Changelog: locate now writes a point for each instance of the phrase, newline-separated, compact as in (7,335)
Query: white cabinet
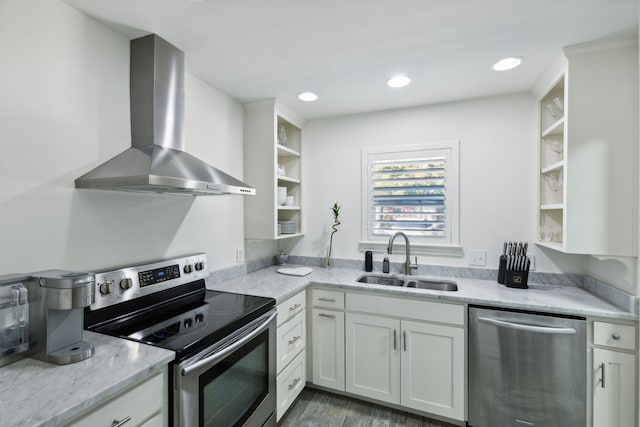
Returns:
(587,137)
(396,359)
(291,355)
(143,405)
(432,368)
(614,375)
(272,160)
(327,354)
(373,357)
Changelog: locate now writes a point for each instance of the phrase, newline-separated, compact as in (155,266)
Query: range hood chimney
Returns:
(156,161)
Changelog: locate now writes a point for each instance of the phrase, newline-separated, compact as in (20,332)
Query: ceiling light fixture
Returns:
(508,63)
(307,96)
(398,81)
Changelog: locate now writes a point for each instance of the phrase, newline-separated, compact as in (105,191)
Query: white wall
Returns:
(497,164)
(64,109)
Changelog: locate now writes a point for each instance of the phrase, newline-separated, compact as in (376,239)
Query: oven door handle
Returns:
(215,357)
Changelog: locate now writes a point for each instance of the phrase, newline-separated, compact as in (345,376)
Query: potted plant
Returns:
(335,209)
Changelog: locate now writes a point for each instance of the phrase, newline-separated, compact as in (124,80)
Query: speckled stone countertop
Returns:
(38,394)
(544,298)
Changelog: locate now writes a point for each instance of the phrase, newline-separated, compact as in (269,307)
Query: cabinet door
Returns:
(373,357)
(328,348)
(614,376)
(433,368)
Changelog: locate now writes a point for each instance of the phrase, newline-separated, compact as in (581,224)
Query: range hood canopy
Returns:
(156,161)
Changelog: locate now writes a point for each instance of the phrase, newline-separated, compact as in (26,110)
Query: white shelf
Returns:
(553,167)
(556,246)
(555,129)
(288,179)
(286,236)
(288,208)
(552,206)
(286,151)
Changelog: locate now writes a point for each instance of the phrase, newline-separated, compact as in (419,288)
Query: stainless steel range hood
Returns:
(156,161)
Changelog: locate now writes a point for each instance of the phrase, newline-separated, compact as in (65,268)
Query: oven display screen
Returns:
(151,277)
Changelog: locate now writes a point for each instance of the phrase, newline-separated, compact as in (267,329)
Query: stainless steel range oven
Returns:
(225,366)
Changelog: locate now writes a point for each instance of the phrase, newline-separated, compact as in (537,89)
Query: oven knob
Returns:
(188,322)
(199,318)
(106,288)
(188,268)
(199,265)
(126,283)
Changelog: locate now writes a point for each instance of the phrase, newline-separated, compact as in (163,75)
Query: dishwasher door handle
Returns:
(528,328)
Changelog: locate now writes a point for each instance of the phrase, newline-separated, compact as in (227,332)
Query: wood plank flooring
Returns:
(315,408)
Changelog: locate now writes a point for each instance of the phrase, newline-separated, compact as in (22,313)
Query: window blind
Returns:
(409,196)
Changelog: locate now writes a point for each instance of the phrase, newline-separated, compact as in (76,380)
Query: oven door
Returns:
(231,383)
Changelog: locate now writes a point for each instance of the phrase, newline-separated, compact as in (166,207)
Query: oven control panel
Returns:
(126,283)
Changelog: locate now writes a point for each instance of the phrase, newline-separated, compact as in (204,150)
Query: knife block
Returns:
(516,279)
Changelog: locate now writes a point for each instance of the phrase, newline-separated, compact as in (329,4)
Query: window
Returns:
(413,189)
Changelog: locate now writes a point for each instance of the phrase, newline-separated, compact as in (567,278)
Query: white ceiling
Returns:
(345,50)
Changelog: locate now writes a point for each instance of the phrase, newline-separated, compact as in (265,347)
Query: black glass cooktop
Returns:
(187,324)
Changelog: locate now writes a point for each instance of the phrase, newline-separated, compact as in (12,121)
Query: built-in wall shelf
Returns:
(272,161)
(552,206)
(288,179)
(556,128)
(286,151)
(554,167)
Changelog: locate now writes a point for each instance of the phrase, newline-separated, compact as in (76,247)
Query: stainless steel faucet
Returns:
(407,264)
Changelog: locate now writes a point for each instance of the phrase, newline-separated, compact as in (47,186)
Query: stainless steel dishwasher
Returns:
(526,370)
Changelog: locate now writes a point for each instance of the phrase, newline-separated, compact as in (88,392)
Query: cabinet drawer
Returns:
(290,383)
(411,309)
(328,299)
(613,335)
(143,403)
(291,339)
(289,308)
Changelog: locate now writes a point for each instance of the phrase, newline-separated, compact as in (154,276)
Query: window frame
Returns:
(449,246)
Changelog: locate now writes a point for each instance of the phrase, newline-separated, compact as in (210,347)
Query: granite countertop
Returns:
(38,394)
(562,299)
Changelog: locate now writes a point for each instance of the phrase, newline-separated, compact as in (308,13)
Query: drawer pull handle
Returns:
(294,339)
(330,316)
(294,383)
(601,380)
(294,307)
(120,423)
(395,339)
(615,336)
(404,336)
(327,299)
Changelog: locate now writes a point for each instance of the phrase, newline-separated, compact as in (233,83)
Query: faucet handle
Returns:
(414,266)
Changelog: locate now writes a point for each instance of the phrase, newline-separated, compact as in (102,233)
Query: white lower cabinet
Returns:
(144,405)
(290,383)
(373,357)
(614,397)
(432,368)
(328,348)
(291,342)
(415,364)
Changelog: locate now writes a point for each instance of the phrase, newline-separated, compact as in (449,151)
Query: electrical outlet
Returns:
(477,257)
(239,255)
(532,267)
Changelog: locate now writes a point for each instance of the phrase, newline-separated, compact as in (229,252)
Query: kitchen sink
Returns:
(381,280)
(435,285)
(409,282)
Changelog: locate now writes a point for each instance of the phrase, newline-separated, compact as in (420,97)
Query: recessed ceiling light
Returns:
(307,96)
(508,63)
(398,81)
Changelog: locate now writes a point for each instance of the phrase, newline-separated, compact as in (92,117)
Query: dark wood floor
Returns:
(315,408)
